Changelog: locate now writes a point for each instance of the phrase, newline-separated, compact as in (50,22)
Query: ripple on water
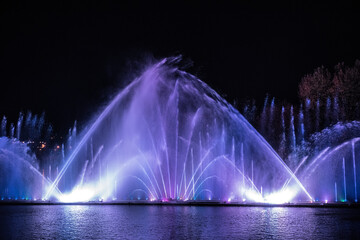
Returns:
(176,222)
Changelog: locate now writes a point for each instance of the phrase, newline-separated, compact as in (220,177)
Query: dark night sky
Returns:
(68,59)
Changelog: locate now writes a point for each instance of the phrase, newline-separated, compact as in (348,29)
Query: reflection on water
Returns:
(176,222)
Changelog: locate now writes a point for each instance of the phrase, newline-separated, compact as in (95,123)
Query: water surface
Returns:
(176,222)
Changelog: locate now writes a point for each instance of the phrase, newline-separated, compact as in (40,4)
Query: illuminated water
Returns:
(170,222)
(168,135)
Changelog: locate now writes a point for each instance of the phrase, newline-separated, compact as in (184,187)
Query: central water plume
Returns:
(170,136)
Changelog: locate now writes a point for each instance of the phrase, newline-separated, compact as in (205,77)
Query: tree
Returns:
(343,85)
(316,86)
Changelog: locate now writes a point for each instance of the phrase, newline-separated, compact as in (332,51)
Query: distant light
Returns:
(326,201)
(244,199)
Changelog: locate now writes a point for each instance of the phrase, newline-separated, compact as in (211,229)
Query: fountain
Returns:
(336,162)
(19,174)
(168,135)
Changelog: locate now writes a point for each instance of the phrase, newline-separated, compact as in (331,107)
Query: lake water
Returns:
(176,222)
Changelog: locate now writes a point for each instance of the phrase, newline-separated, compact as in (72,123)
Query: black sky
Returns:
(67,59)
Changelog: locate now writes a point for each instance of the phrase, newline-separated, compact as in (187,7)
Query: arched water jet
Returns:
(85,139)
(179,125)
(337,164)
(19,172)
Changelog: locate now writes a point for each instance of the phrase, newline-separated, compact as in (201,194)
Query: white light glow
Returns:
(280,197)
(253,196)
(78,195)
